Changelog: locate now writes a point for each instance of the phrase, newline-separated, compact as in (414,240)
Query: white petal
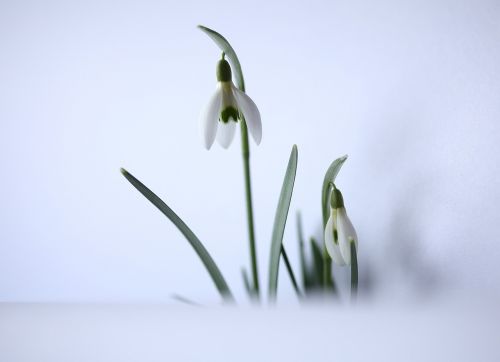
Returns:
(209,118)
(225,134)
(346,231)
(228,95)
(251,114)
(331,246)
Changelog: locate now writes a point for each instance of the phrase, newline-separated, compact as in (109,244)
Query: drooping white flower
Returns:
(228,105)
(339,231)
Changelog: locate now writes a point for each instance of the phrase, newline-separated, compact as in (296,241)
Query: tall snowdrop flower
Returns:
(228,105)
(339,231)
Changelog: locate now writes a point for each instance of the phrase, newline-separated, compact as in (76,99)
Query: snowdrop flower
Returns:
(339,231)
(228,105)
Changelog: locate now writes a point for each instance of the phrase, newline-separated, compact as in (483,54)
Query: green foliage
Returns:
(280,222)
(289,268)
(198,247)
(317,263)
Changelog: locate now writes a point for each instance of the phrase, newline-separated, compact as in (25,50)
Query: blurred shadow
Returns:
(405,249)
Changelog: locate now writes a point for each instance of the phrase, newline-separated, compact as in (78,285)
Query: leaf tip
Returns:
(123,171)
(204,29)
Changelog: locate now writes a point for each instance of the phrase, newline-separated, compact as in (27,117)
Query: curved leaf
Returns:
(224,45)
(205,257)
(329,179)
(280,222)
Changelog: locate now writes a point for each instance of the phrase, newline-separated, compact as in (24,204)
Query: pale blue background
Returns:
(409,89)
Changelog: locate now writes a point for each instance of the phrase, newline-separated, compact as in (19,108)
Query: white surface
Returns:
(409,89)
(52,333)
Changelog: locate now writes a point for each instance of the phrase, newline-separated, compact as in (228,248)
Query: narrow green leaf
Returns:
(289,268)
(329,179)
(198,247)
(246,283)
(224,45)
(354,270)
(280,222)
(306,282)
(185,300)
(318,262)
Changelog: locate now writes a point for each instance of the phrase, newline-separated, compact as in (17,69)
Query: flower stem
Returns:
(248,194)
(306,281)
(354,271)
(329,283)
(326,268)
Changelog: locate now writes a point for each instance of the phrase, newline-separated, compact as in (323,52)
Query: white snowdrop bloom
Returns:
(339,231)
(228,105)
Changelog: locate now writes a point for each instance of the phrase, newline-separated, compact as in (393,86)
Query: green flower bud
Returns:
(223,71)
(336,199)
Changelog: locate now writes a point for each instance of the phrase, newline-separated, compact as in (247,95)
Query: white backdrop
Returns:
(410,90)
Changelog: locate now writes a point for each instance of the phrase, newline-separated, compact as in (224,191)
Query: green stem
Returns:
(328,282)
(354,270)
(327,265)
(248,194)
(326,268)
(303,267)
(290,271)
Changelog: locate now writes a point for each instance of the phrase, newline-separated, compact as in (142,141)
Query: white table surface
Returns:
(84,332)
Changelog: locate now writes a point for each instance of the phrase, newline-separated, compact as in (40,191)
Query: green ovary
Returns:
(229,113)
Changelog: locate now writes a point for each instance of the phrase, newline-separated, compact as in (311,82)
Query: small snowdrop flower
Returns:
(228,105)
(339,231)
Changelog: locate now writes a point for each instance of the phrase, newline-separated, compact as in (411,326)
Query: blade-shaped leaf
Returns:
(280,222)
(329,179)
(289,268)
(185,300)
(246,283)
(205,257)
(306,282)
(318,262)
(224,45)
